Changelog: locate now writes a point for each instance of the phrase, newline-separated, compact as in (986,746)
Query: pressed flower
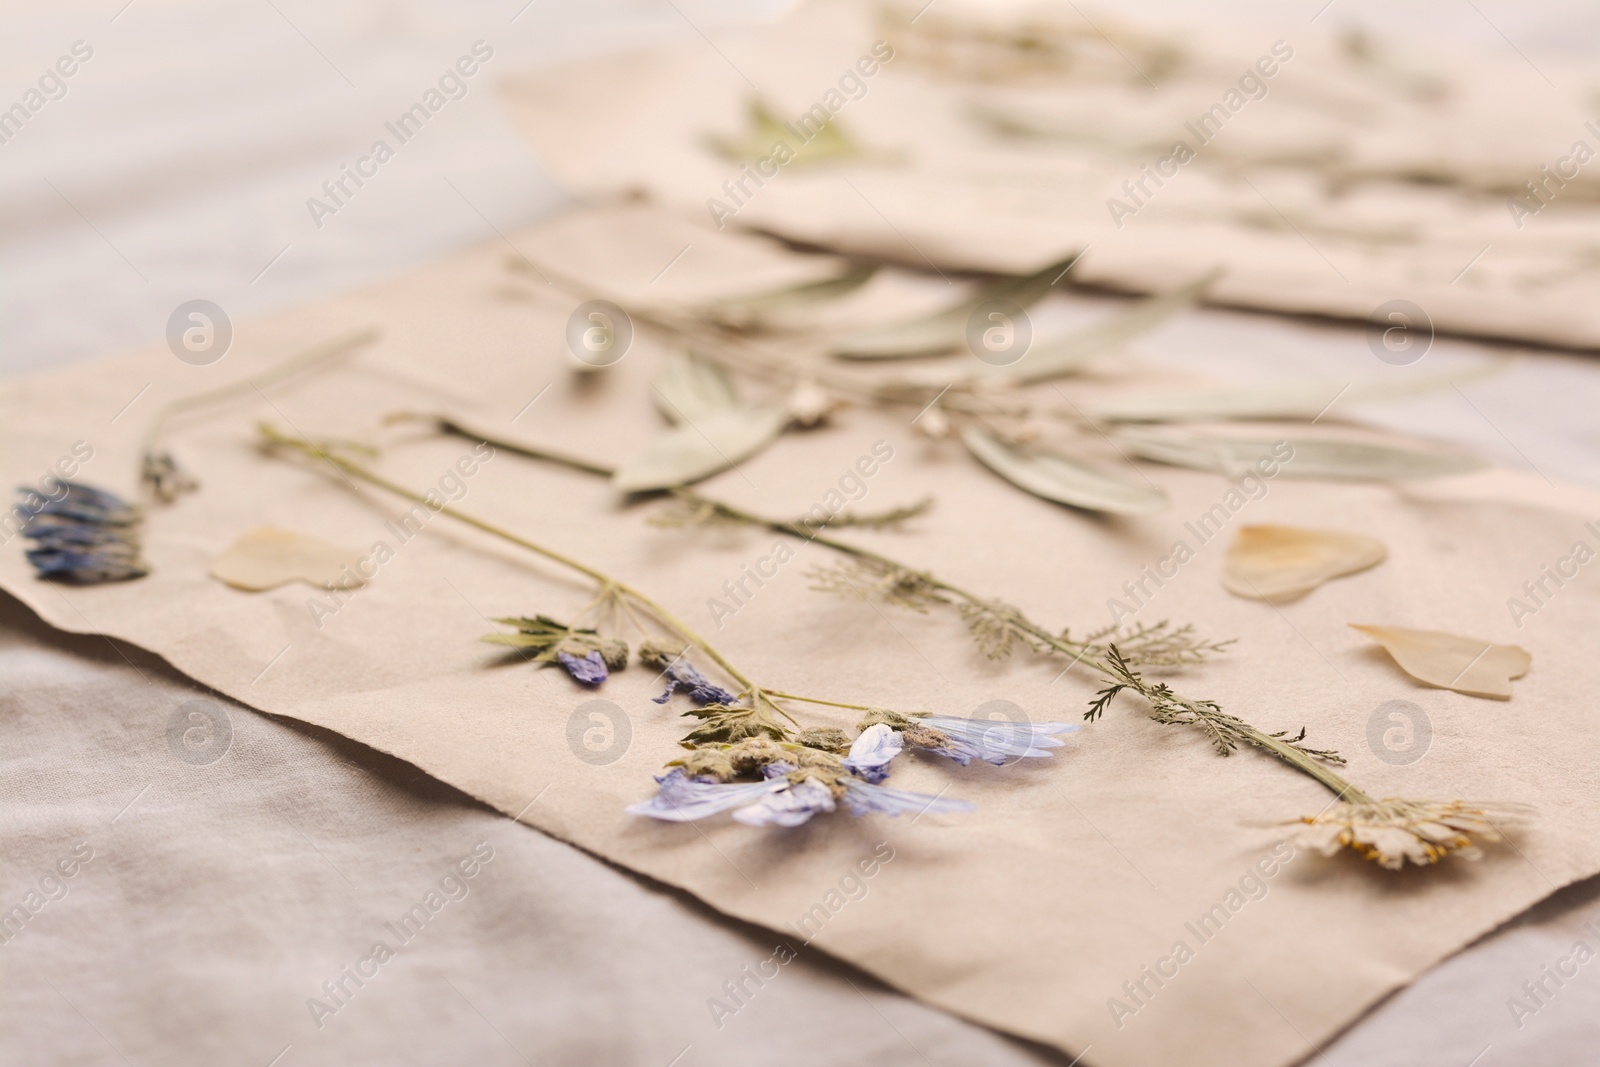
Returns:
(590,670)
(699,688)
(790,806)
(1390,832)
(991,740)
(685,799)
(85,535)
(870,754)
(863,797)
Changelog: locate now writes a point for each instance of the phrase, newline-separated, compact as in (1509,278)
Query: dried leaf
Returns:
(689,389)
(1285,400)
(946,330)
(266,558)
(1465,664)
(753,311)
(829,142)
(1325,458)
(699,449)
(1284,562)
(1063,480)
(1056,356)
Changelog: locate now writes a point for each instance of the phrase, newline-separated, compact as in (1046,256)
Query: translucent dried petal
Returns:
(266,557)
(1465,664)
(1282,562)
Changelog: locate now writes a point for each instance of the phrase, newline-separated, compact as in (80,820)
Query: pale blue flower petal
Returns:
(685,799)
(788,807)
(870,754)
(995,741)
(863,798)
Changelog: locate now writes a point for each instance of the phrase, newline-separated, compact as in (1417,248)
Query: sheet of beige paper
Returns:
(1074,873)
(1345,186)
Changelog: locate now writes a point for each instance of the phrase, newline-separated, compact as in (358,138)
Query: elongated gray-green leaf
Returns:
(946,329)
(691,389)
(1055,356)
(700,448)
(1284,400)
(1323,458)
(1061,479)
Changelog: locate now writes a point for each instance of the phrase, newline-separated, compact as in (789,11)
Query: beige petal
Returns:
(1466,664)
(1283,562)
(266,558)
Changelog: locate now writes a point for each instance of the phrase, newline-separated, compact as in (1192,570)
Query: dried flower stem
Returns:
(762,699)
(1167,707)
(161,476)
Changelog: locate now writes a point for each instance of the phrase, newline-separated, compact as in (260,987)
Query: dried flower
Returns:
(685,799)
(870,754)
(699,688)
(863,798)
(590,670)
(160,473)
(85,535)
(963,740)
(790,806)
(1392,831)
(995,741)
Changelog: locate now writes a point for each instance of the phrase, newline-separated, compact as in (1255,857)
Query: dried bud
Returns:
(827,738)
(657,656)
(615,653)
(811,759)
(753,753)
(925,737)
(707,763)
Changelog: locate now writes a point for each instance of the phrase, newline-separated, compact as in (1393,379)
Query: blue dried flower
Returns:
(790,806)
(685,799)
(590,670)
(870,754)
(85,535)
(698,686)
(863,798)
(996,742)
(780,799)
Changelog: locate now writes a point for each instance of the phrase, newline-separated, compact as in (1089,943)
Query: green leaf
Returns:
(946,330)
(1322,458)
(690,389)
(700,448)
(1066,481)
(1055,356)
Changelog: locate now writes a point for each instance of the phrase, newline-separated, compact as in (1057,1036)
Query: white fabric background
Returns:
(220,897)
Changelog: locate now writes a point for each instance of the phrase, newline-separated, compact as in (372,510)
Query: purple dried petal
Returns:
(699,688)
(590,670)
